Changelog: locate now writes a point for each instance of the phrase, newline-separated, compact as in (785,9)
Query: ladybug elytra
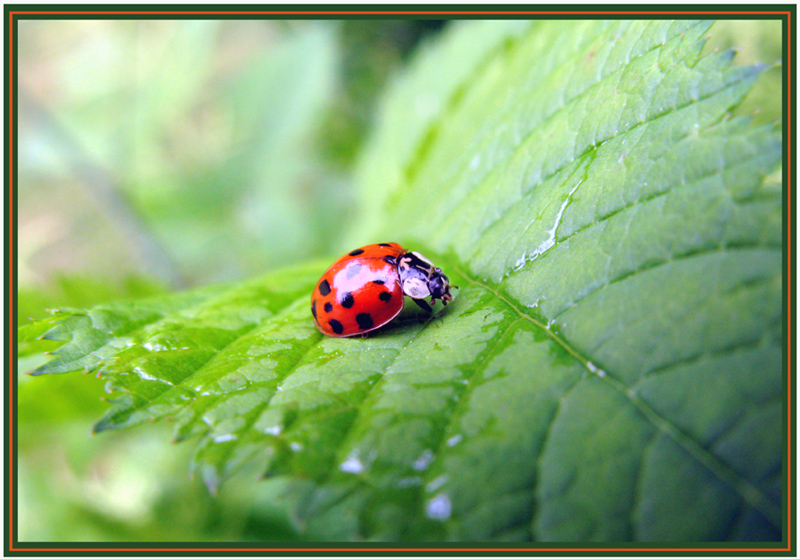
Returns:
(364,289)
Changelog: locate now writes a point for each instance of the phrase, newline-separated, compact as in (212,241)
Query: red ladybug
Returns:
(364,289)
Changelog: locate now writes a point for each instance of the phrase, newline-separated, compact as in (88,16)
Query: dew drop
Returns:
(143,374)
(352,465)
(154,346)
(423,461)
(439,507)
(476,161)
(436,483)
(453,441)
(408,482)
(595,369)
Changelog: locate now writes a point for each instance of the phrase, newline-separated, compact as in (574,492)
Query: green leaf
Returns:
(610,369)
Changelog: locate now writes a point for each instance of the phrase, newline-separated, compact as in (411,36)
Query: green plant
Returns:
(611,367)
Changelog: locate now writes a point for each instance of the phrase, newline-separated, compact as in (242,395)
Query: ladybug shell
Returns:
(360,292)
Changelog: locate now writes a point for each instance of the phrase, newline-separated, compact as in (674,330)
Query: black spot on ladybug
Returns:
(384,245)
(314,308)
(336,326)
(379,282)
(324,287)
(385,296)
(352,271)
(389,259)
(364,321)
(328,307)
(347,300)
(356,252)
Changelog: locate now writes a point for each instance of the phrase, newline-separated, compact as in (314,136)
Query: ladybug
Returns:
(364,289)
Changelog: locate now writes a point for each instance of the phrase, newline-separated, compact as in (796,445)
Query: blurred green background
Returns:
(159,155)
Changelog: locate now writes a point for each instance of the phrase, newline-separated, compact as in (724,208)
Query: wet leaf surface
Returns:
(610,369)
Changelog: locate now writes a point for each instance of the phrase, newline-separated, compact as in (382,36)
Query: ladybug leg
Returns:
(423,305)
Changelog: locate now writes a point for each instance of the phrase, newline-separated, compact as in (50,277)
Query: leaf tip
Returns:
(211,480)
(37,372)
(103,425)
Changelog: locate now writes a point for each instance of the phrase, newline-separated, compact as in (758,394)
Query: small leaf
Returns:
(610,369)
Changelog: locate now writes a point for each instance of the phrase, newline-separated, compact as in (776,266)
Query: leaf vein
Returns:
(547,434)
(586,151)
(253,415)
(348,429)
(725,351)
(458,408)
(738,247)
(637,486)
(633,204)
(719,469)
(163,389)
(289,308)
(650,197)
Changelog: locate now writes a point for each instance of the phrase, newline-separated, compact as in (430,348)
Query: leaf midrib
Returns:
(723,472)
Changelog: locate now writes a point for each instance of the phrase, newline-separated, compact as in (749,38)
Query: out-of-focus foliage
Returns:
(179,144)
(172,152)
(193,151)
(76,487)
(756,42)
(371,51)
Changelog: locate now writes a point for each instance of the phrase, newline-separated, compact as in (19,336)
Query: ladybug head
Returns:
(439,286)
(420,278)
